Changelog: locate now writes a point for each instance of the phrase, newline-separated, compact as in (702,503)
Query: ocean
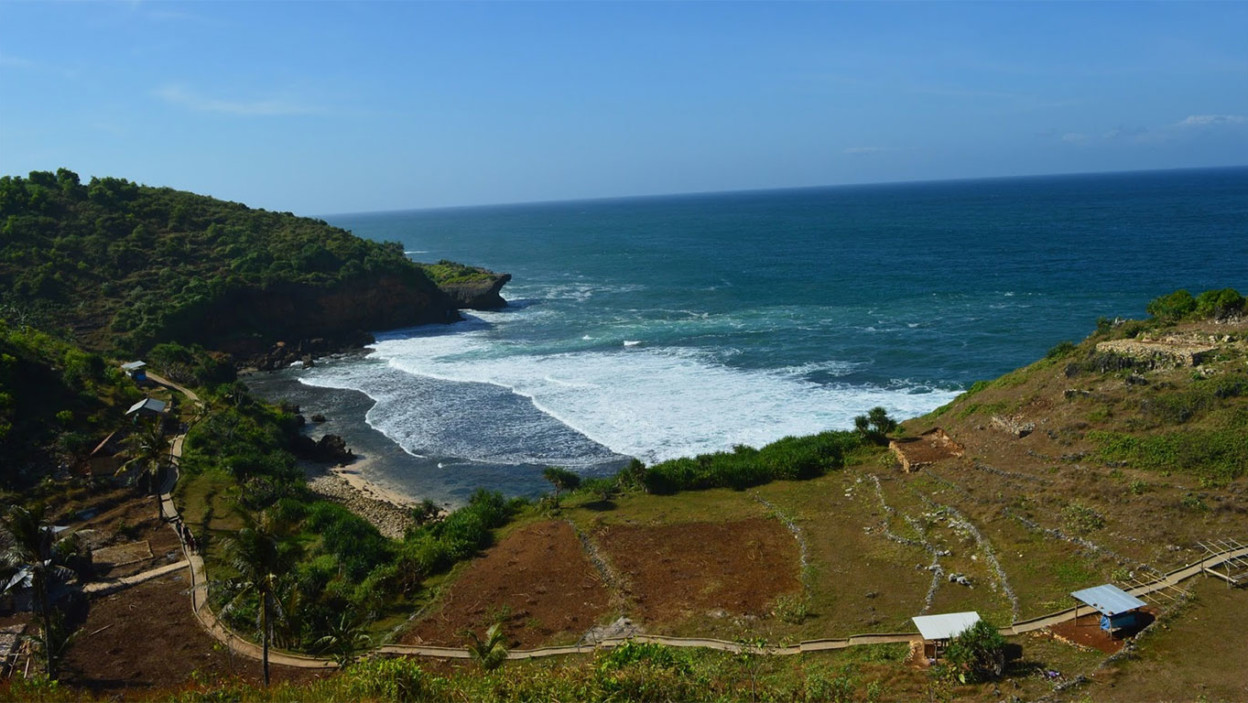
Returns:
(669,326)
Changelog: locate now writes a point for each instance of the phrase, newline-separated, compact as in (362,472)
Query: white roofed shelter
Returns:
(150,406)
(1116,606)
(937,630)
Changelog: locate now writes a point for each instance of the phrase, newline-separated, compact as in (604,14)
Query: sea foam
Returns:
(577,407)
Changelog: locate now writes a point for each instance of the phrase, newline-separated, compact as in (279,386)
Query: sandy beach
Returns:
(345,485)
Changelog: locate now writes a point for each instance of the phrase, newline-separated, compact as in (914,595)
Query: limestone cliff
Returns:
(251,320)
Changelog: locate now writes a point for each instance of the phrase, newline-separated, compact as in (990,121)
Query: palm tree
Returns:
(149,451)
(261,554)
(491,651)
(345,639)
(33,548)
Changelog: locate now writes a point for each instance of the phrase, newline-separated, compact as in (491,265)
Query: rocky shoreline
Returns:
(388,513)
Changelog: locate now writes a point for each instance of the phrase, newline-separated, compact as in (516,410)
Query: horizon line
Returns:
(777,189)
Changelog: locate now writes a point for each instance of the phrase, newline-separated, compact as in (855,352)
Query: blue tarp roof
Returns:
(1109,599)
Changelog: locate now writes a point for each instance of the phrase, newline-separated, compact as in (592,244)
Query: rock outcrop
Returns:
(478,294)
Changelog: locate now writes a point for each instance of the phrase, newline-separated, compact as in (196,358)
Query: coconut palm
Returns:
(149,452)
(262,555)
(345,639)
(33,548)
(490,651)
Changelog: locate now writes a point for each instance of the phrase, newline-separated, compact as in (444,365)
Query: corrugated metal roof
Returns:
(1109,599)
(149,404)
(946,625)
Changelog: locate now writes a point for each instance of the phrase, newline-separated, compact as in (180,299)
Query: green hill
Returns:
(123,266)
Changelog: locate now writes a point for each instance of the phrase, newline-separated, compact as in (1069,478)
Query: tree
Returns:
(345,639)
(149,453)
(34,549)
(262,555)
(491,651)
(875,425)
(562,480)
(976,654)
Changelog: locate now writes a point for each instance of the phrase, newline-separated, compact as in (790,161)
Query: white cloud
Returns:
(1212,120)
(181,96)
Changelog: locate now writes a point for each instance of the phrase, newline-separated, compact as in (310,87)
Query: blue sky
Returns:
(325,107)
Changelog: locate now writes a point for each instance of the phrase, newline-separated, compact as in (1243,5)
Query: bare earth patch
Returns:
(537,580)
(146,637)
(677,571)
(1087,632)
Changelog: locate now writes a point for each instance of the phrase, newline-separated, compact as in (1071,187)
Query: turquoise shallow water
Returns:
(662,327)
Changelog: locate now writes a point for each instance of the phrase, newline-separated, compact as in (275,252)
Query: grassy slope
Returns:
(1059,509)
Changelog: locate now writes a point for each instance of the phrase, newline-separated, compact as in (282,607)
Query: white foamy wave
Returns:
(650,403)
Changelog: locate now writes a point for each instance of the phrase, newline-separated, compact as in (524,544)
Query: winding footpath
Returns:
(243,647)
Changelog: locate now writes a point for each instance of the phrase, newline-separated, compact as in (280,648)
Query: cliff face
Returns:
(249,321)
(480,294)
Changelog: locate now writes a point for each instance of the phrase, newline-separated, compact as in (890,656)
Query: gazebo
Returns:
(937,630)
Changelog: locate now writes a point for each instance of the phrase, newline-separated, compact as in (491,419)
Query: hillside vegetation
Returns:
(122,266)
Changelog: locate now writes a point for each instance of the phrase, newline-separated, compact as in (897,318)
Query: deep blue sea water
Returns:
(668,326)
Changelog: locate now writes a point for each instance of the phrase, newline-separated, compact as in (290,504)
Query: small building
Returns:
(136,370)
(1118,608)
(937,630)
(928,448)
(150,407)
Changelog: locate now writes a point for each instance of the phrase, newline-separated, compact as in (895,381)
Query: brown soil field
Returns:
(1087,632)
(122,517)
(537,579)
(146,638)
(677,571)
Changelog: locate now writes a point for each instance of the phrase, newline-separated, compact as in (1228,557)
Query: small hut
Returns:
(937,630)
(149,407)
(1118,608)
(136,370)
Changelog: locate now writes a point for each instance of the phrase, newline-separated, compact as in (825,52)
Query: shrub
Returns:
(790,458)
(1172,307)
(1220,304)
(389,680)
(1081,519)
(1061,350)
(875,425)
(977,654)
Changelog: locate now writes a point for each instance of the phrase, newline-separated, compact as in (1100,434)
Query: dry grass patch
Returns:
(702,573)
(536,581)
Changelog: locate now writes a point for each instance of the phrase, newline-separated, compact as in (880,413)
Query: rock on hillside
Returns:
(478,295)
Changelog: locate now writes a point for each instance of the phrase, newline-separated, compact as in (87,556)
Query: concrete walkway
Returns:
(98,588)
